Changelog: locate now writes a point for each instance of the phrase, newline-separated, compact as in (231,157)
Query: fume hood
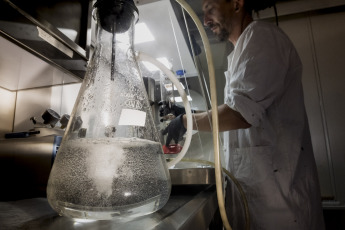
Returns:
(56,31)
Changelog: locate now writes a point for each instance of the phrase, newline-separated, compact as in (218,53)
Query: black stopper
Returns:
(116,15)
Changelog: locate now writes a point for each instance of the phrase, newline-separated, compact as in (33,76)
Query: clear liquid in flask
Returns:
(109,178)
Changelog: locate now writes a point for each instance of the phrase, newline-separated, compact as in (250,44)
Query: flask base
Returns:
(119,213)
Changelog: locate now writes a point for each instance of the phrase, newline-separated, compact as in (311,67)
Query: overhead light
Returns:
(142,34)
(152,67)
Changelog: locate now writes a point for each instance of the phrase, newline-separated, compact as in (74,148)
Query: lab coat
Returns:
(273,159)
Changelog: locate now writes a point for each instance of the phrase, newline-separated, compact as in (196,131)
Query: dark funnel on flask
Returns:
(116,15)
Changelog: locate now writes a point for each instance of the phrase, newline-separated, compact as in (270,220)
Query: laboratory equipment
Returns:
(110,164)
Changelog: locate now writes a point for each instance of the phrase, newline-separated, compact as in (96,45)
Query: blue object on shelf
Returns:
(180,72)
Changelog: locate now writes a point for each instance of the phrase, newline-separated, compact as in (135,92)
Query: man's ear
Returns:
(238,4)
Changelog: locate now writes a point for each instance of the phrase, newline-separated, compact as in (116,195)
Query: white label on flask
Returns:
(132,117)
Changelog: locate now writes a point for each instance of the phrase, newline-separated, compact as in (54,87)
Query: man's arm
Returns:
(229,119)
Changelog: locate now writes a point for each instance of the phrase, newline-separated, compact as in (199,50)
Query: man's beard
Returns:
(223,35)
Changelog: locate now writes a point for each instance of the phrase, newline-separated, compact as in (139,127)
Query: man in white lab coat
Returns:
(266,133)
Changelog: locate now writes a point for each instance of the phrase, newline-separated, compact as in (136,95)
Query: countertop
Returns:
(189,207)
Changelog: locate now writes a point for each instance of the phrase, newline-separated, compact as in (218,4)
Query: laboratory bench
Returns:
(190,206)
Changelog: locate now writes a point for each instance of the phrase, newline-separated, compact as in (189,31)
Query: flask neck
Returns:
(111,35)
(114,43)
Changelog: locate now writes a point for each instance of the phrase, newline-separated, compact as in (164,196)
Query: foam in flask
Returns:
(110,164)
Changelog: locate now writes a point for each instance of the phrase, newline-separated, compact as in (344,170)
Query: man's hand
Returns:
(175,130)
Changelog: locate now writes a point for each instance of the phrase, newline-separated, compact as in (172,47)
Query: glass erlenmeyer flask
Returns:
(110,163)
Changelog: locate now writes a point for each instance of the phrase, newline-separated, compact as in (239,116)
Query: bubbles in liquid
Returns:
(109,174)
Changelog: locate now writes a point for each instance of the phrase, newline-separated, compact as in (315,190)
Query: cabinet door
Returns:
(329,39)
(299,30)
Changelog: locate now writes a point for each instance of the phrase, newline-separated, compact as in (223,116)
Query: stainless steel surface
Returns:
(189,207)
(33,25)
(25,165)
(190,176)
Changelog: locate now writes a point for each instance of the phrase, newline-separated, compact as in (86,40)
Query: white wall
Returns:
(29,86)
(63,98)
(33,102)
